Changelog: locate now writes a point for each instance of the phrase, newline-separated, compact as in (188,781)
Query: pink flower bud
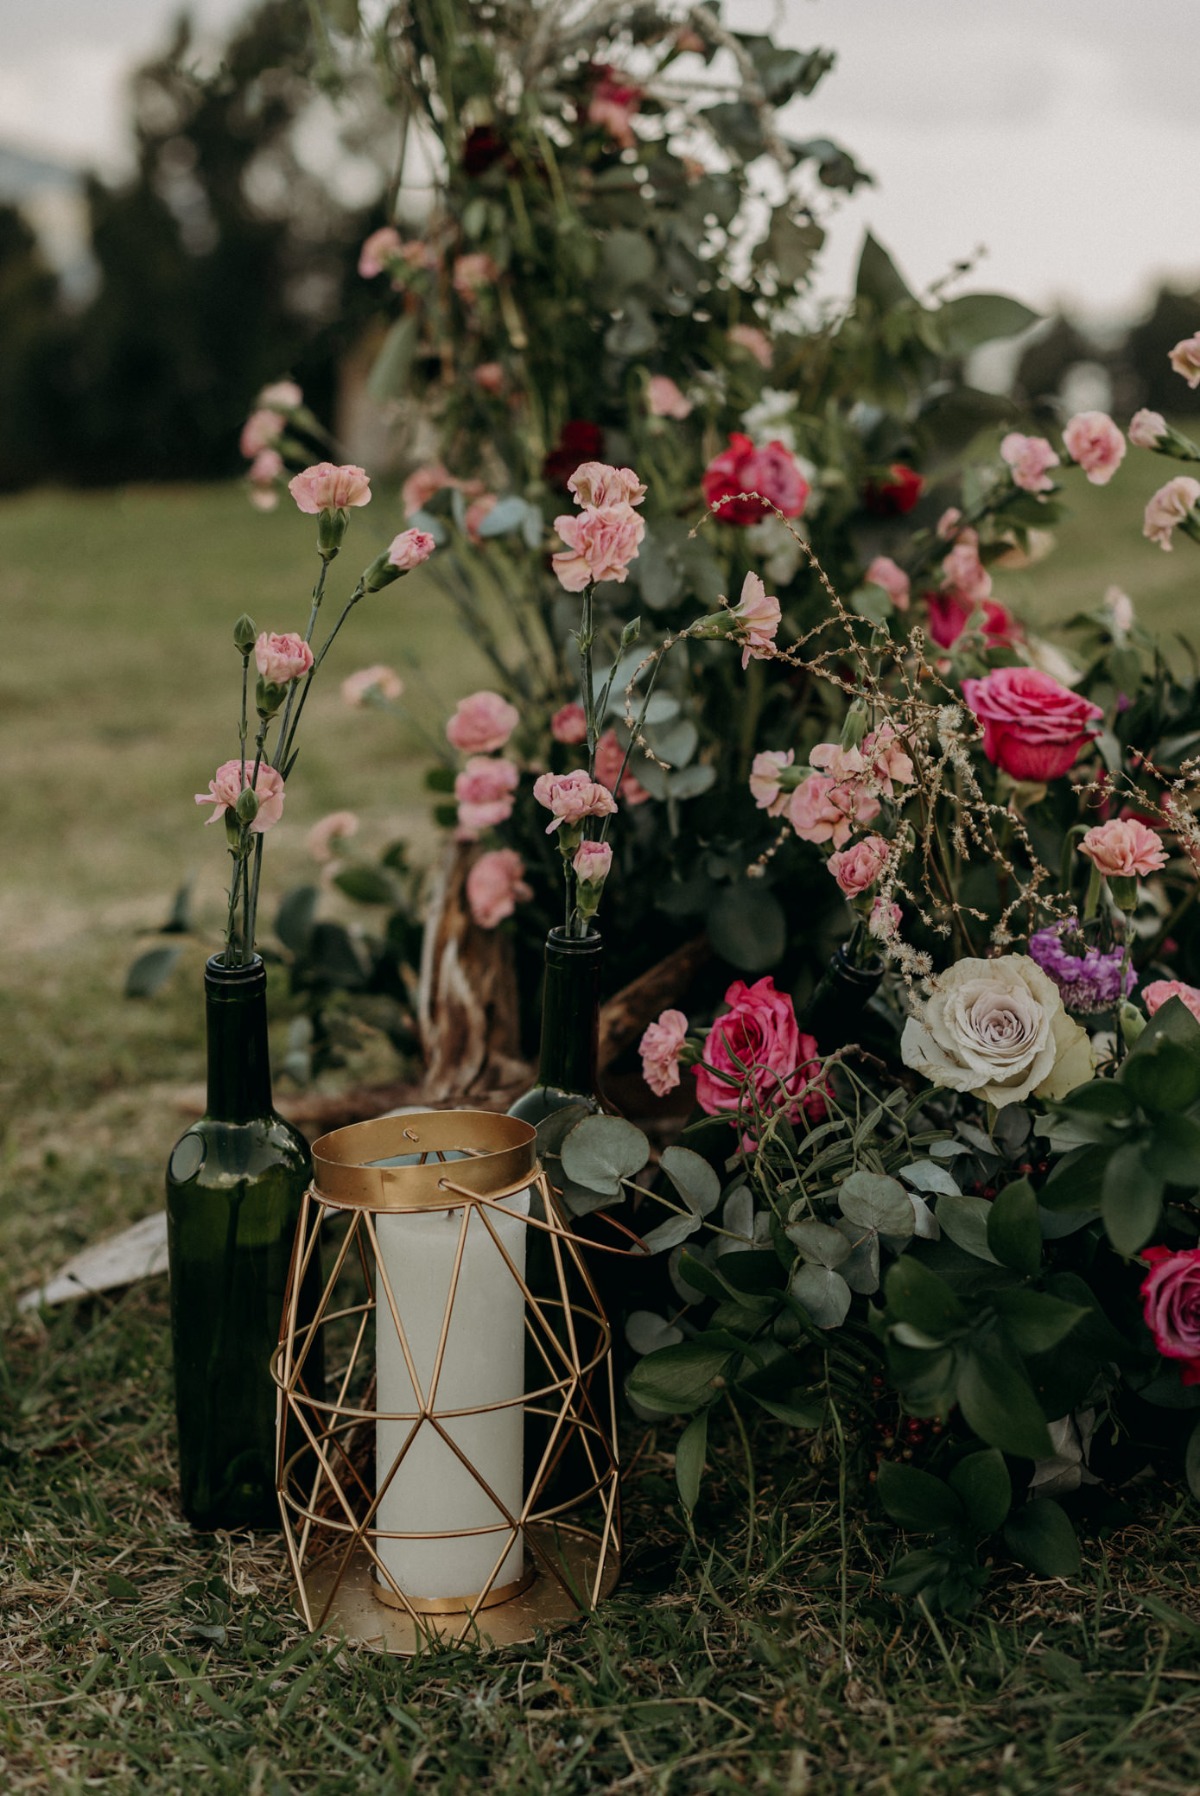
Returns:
(1147,429)
(410,549)
(591,862)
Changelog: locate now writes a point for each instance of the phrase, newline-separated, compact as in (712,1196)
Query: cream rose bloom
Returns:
(997,1028)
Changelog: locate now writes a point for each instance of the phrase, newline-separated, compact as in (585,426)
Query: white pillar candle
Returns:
(484,1363)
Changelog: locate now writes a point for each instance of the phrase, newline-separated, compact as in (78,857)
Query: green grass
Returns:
(135,1655)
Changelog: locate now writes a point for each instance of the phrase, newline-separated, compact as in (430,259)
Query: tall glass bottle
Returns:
(234,1184)
(570,1048)
(835,1011)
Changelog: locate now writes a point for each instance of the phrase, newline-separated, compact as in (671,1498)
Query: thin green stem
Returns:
(287,734)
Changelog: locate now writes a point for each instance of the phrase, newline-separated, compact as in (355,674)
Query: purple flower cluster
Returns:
(1088,978)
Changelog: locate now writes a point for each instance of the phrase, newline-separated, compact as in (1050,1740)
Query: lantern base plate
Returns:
(349,1605)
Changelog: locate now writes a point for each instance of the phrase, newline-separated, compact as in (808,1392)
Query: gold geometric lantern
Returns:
(457,1478)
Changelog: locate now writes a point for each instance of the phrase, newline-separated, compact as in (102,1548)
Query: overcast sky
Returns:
(1064,135)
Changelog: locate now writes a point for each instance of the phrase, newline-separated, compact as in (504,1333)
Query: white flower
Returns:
(775,546)
(770,418)
(997,1028)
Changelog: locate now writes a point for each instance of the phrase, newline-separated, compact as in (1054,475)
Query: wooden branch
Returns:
(625,1016)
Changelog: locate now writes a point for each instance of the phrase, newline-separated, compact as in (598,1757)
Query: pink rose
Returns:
(1124,849)
(226,786)
(1171,1302)
(591,862)
(612,105)
(766,786)
(495,886)
(950,614)
(484,790)
(377,251)
(946,528)
(569,725)
(280,659)
(325,837)
(742,470)
(1093,440)
(1169,507)
(489,377)
(888,762)
(1033,728)
(472,273)
(884,572)
(857,868)
(660,1048)
(821,810)
(759,1032)
(964,573)
(609,758)
(281,396)
(601,542)
(1185,359)
(423,484)
(482,723)
(1159,990)
(665,400)
(755,342)
(570,797)
(1147,429)
(326,487)
(595,486)
(380,680)
(261,430)
(1030,459)
(410,549)
(757,617)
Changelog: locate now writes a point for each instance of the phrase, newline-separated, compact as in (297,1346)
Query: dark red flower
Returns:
(483,148)
(950,613)
(742,469)
(579,441)
(892,497)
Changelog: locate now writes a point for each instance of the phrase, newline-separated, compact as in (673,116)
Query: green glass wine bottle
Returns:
(568,1060)
(234,1184)
(835,1011)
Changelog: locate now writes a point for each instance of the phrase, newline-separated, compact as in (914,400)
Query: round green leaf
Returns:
(693,1178)
(874,1201)
(601,1151)
(823,1293)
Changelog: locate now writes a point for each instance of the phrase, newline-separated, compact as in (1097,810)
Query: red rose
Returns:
(760,1032)
(892,497)
(742,469)
(579,441)
(950,613)
(1171,1305)
(1033,728)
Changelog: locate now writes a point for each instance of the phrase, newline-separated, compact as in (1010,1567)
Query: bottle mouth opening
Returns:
(219,977)
(562,943)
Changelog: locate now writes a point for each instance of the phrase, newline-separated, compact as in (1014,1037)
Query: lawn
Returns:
(135,1655)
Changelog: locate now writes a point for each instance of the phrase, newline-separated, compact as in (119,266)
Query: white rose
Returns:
(997,1028)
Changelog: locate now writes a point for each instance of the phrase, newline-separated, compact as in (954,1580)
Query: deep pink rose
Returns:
(570,797)
(227,783)
(1171,1305)
(1033,728)
(760,1031)
(755,342)
(410,549)
(595,485)
(857,868)
(895,495)
(569,726)
(665,400)
(484,790)
(1124,849)
(614,102)
(482,723)
(1158,991)
(326,487)
(1094,442)
(609,756)
(660,1048)
(495,886)
(601,542)
(281,659)
(741,470)
(884,572)
(950,614)
(1030,460)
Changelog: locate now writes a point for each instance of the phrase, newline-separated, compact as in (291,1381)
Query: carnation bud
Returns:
(245,634)
(268,697)
(1132,1022)
(855,726)
(246,807)
(381,573)
(331,528)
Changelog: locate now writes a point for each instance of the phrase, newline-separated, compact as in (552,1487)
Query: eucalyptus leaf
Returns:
(693,1178)
(819,1242)
(646,1332)
(927,1175)
(823,1292)
(150,971)
(671,1233)
(875,1201)
(600,1151)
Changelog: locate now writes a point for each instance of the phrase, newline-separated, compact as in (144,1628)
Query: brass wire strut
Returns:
(326,1440)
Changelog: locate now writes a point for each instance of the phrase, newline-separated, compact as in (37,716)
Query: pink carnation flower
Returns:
(609,758)
(946,528)
(489,377)
(821,810)
(378,679)
(884,572)
(888,761)
(755,342)
(281,659)
(281,396)
(591,862)
(964,573)
(475,514)
(484,790)
(326,487)
(665,400)
(660,1048)
(1169,507)
(569,725)
(570,797)
(472,273)
(1170,1295)
(838,762)
(1030,459)
(226,786)
(423,484)
(261,430)
(263,475)
(1094,442)
(857,868)
(766,786)
(324,837)
(1185,359)
(1147,429)
(495,886)
(601,542)
(1123,848)
(596,485)
(380,248)
(482,723)
(1159,991)
(757,617)
(410,549)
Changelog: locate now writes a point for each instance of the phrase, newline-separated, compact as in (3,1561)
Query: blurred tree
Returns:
(31,332)
(1151,381)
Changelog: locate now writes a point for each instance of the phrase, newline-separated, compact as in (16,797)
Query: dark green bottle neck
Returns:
(571,1014)
(239,1063)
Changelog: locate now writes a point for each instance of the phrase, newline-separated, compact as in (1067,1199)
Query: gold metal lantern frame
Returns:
(474,1171)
